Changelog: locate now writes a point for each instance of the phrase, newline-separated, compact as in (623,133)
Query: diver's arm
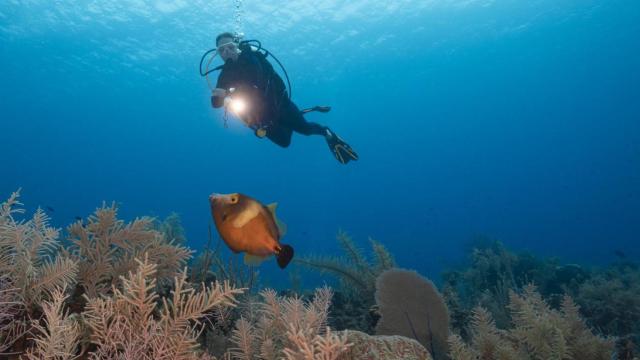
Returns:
(217,97)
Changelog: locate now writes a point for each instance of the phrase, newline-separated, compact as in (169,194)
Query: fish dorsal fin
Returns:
(272,208)
(253,260)
(251,211)
(282,228)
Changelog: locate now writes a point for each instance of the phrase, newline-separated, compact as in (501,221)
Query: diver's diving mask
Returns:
(231,45)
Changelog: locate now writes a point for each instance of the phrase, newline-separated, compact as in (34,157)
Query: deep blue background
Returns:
(514,120)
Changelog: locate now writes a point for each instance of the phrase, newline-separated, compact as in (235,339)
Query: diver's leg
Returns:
(280,135)
(308,128)
(293,118)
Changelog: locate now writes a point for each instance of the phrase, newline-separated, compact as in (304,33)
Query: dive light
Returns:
(237,105)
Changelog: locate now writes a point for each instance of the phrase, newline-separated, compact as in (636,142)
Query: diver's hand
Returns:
(217,97)
(219,92)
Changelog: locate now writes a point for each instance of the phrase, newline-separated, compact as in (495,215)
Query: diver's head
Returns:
(227,46)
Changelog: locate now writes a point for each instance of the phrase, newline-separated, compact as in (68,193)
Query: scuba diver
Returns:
(249,86)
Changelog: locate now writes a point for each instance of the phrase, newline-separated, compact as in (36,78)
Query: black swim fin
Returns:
(340,149)
(284,256)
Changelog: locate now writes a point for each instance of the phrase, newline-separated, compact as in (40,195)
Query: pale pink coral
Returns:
(130,325)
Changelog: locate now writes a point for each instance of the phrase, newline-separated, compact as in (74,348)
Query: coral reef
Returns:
(382,347)
(131,324)
(9,310)
(411,306)
(171,228)
(59,335)
(538,332)
(325,346)
(124,318)
(210,265)
(493,271)
(31,268)
(105,248)
(287,327)
(120,291)
(610,299)
(355,270)
(351,312)
(28,255)
(357,277)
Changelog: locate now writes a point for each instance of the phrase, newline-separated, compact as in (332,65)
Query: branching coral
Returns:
(493,271)
(130,325)
(171,228)
(611,299)
(288,328)
(538,333)
(57,338)
(327,346)
(356,271)
(125,318)
(106,248)
(552,334)
(28,254)
(9,309)
(358,278)
(30,267)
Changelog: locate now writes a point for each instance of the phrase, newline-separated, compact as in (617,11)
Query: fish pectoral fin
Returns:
(253,260)
(246,215)
(282,227)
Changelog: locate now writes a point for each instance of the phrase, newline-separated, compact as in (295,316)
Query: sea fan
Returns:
(411,306)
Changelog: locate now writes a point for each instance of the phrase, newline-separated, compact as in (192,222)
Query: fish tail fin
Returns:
(284,256)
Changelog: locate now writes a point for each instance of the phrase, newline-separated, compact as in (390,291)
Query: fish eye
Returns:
(234,199)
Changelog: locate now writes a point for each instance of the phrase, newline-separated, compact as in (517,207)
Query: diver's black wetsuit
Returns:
(269,106)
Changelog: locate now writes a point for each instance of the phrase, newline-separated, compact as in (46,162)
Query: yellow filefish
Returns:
(247,226)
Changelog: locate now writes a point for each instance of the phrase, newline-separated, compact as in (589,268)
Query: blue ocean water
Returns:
(515,120)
